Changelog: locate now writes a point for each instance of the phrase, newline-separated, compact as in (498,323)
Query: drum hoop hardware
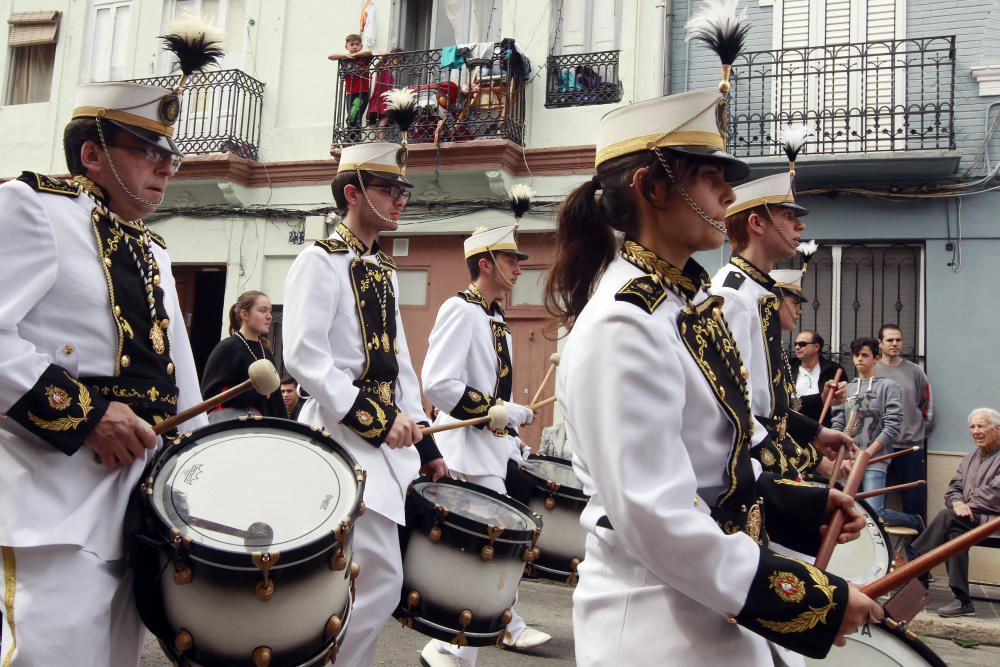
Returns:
(264,562)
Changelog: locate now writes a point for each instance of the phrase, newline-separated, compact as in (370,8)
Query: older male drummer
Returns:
(93,350)
(468,369)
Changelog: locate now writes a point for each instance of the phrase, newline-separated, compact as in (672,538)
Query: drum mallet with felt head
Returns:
(545,380)
(263,378)
(901,452)
(836,523)
(497,419)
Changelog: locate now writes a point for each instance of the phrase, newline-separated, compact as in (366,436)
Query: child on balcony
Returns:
(354,70)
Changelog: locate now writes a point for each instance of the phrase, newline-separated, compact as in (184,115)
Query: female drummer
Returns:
(249,323)
(654,394)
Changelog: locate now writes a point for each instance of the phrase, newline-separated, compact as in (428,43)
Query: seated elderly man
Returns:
(972,498)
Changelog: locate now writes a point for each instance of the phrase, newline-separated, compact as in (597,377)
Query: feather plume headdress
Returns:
(196,45)
(723,27)
(520,200)
(401,109)
(807,249)
(793,140)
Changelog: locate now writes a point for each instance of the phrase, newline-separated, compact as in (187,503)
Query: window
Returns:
(434,24)
(110,41)
(412,287)
(32,43)
(583,67)
(585,26)
(529,290)
(228,15)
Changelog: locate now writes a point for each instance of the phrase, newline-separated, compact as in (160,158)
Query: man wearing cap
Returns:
(93,350)
(764,227)
(344,342)
(468,369)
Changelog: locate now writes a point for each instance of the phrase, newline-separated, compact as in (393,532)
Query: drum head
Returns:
(878,646)
(474,505)
(550,469)
(240,487)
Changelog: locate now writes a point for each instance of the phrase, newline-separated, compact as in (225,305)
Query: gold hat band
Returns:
(370,166)
(497,247)
(650,141)
(789,286)
(124,117)
(759,201)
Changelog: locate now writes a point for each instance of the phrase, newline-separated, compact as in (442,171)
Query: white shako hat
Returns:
(788,280)
(774,190)
(498,239)
(383,159)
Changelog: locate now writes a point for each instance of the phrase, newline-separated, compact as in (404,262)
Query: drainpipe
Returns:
(659,52)
(668,46)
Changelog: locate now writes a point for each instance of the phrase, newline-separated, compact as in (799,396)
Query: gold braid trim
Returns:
(807,620)
(67,423)
(10,588)
(649,260)
(380,420)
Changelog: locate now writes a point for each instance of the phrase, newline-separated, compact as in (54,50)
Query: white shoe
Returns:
(431,657)
(528,639)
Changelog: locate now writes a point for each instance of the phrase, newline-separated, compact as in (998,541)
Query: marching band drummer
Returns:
(654,394)
(344,342)
(468,369)
(93,350)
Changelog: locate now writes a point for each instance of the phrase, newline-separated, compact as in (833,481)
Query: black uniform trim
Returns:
(427,448)
(644,291)
(752,271)
(734,280)
(795,605)
(385,260)
(43,183)
(471,295)
(802,427)
(794,513)
(371,417)
(152,401)
(59,409)
(473,403)
(157,239)
(333,246)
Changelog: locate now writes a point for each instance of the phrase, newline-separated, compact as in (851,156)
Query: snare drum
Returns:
(558,497)
(867,558)
(243,552)
(463,557)
(877,646)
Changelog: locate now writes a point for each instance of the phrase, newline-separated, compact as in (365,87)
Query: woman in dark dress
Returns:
(249,323)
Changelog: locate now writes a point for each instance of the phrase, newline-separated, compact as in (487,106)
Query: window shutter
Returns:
(33,28)
(573,31)
(795,24)
(604,31)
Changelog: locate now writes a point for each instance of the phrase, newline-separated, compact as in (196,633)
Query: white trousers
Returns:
(517,624)
(376,550)
(65,606)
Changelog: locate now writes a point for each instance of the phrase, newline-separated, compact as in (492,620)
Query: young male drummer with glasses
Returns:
(344,342)
(93,350)
(468,369)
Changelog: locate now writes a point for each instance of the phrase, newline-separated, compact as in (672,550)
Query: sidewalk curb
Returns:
(964,627)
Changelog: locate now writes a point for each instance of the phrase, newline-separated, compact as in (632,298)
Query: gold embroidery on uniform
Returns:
(787,586)
(633,250)
(790,482)
(754,522)
(807,620)
(351,239)
(67,423)
(766,457)
(380,420)
(58,398)
(385,393)
(751,270)
(10,588)
(365,418)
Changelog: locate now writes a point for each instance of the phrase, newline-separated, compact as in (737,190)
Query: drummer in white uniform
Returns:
(344,342)
(93,350)
(468,369)
(654,394)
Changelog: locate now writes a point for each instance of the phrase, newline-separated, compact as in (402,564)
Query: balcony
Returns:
(582,79)
(865,101)
(220,113)
(469,96)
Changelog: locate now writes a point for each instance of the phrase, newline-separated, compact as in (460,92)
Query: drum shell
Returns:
(564,540)
(878,646)
(450,574)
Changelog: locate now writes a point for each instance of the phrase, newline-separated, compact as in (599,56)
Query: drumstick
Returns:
(497,419)
(263,378)
(842,452)
(900,452)
(890,489)
(925,562)
(542,403)
(828,401)
(545,380)
(851,486)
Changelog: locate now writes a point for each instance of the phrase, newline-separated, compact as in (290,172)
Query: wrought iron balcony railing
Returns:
(896,95)
(462,95)
(582,79)
(220,112)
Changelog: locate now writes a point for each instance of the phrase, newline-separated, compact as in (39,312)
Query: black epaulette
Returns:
(333,246)
(734,280)
(43,183)
(385,260)
(157,239)
(644,292)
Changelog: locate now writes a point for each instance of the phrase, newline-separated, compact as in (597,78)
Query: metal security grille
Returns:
(582,79)
(220,112)
(889,95)
(850,290)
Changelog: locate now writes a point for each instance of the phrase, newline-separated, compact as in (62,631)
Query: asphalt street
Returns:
(547,606)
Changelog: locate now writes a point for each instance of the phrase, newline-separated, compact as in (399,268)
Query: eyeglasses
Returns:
(800,343)
(154,155)
(394,191)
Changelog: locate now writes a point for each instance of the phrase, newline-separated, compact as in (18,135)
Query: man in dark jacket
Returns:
(812,371)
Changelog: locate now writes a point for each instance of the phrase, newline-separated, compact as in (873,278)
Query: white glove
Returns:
(518,415)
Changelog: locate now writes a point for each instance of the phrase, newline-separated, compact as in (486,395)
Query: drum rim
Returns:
(878,523)
(245,560)
(425,617)
(428,516)
(925,651)
(541,482)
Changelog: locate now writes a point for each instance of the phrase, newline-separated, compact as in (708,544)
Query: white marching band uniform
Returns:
(61,516)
